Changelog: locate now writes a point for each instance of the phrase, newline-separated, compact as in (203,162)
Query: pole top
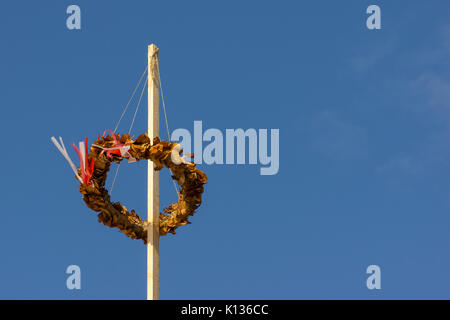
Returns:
(153,60)
(152,48)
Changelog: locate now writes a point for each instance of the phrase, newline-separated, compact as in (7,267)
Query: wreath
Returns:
(93,171)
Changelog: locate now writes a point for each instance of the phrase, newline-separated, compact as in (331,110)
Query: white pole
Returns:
(153,179)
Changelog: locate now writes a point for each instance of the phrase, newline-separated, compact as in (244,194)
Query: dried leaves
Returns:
(115,215)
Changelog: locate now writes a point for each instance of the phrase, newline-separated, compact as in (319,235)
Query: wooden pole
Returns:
(153,178)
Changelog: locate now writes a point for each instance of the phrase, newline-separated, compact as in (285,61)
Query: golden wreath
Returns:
(107,149)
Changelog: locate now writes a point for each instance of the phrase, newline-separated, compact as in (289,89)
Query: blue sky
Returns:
(364,119)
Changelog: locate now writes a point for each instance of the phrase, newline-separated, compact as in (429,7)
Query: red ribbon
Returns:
(86,173)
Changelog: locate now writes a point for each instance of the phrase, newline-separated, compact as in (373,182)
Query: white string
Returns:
(114,180)
(131,127)
(165,116)
(163,104)
(135,113)
(131,98)
(139,103)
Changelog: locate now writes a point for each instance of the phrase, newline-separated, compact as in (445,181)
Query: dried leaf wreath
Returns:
(94,167)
